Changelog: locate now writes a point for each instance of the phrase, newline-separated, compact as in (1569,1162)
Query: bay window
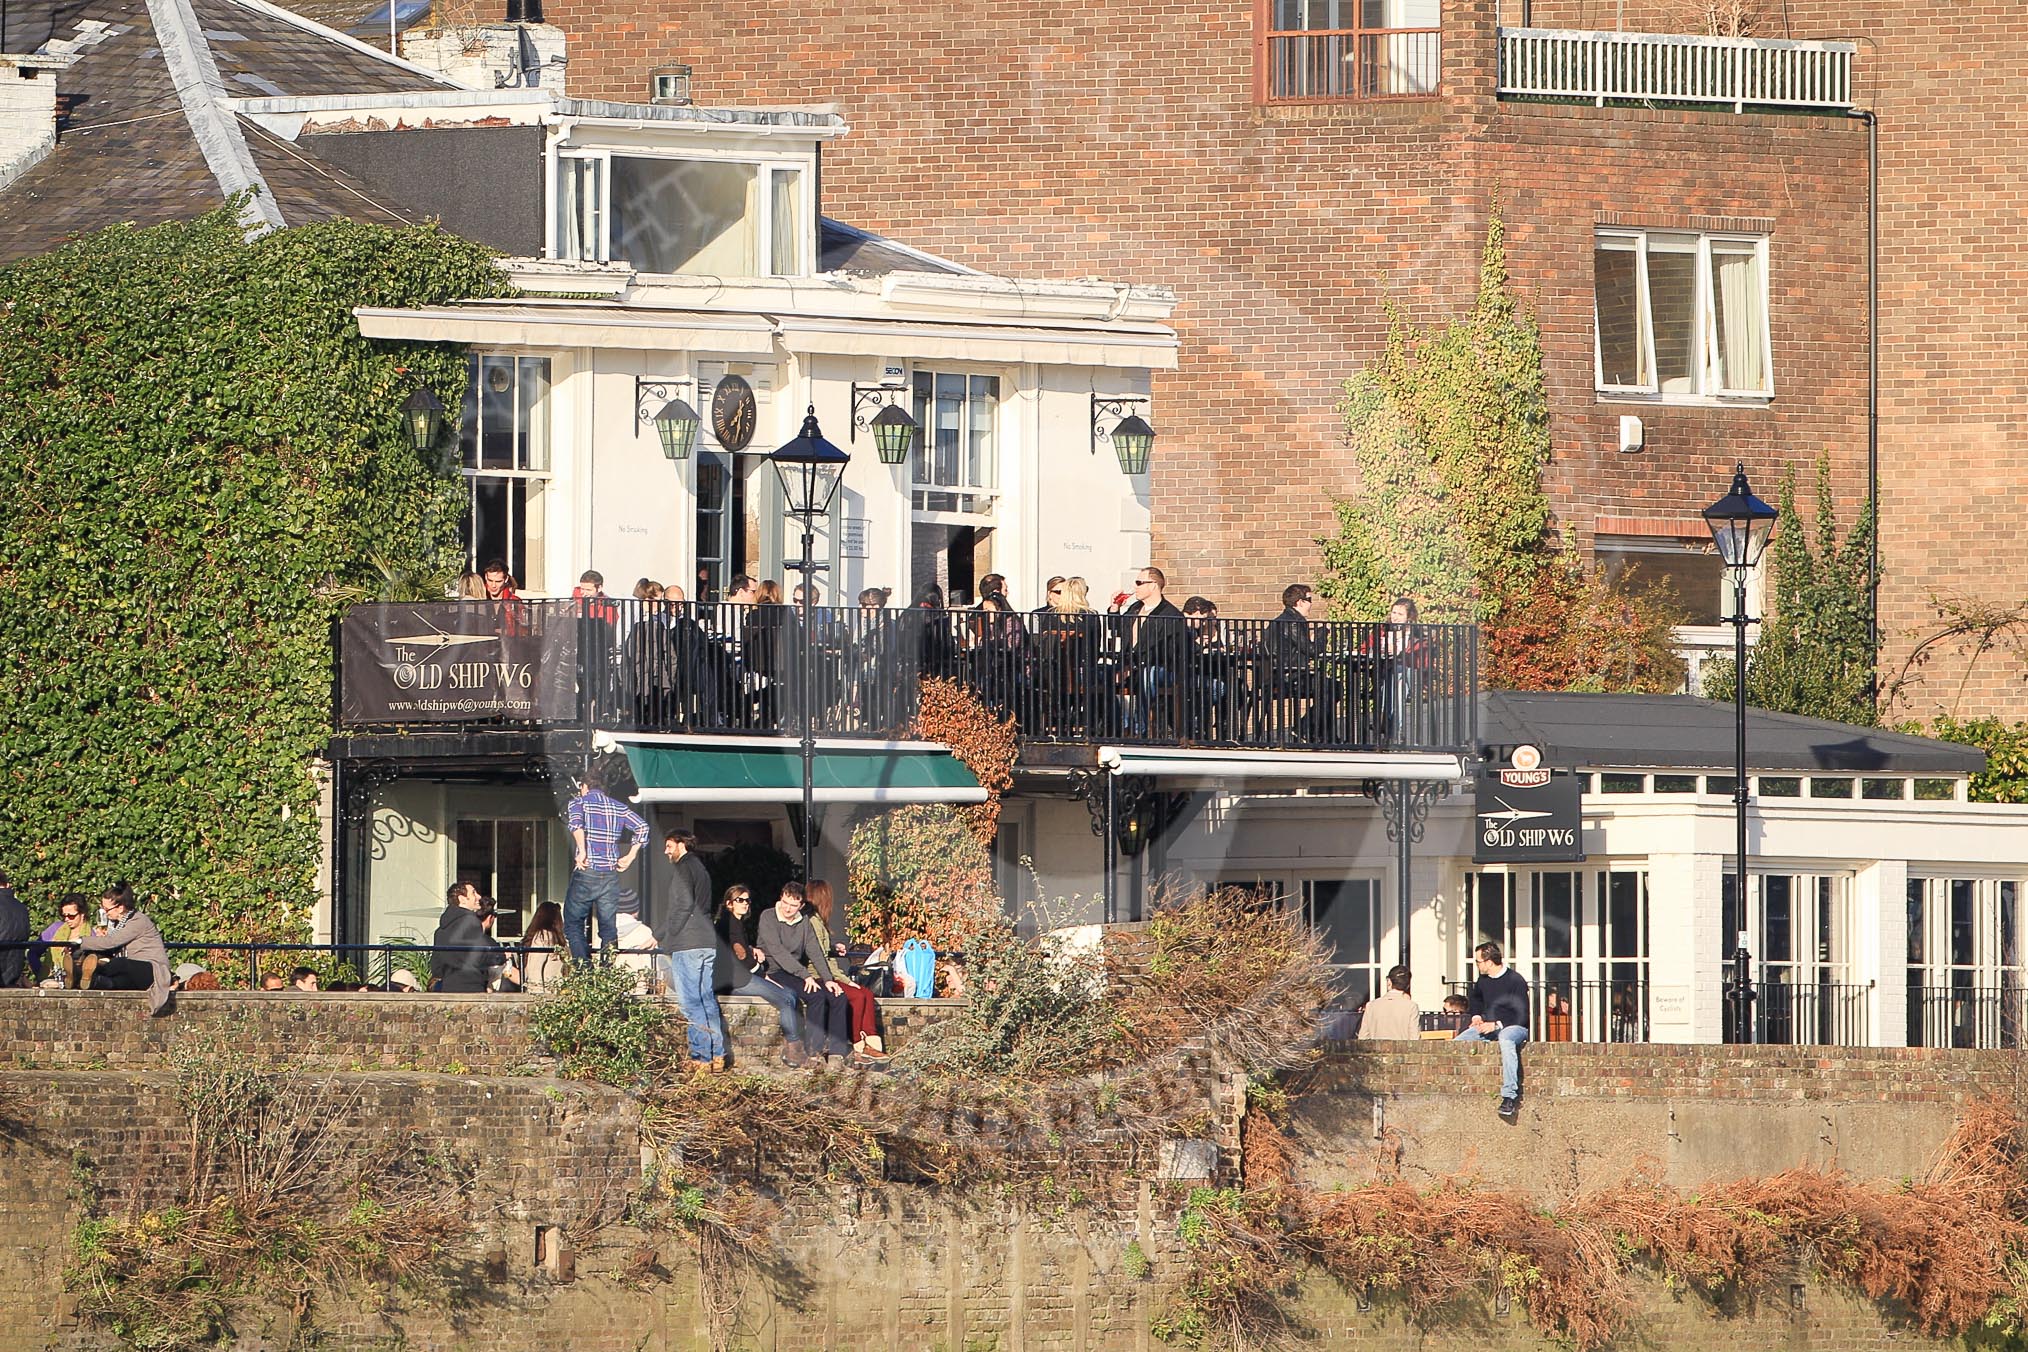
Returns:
(1681,315)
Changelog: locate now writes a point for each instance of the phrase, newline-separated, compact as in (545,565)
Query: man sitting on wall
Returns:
(466,953)
(1394,1014)
(1499,1011)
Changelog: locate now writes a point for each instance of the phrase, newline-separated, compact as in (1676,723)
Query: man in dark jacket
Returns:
(1498,1011)
(1158,647)
(469,953)
(1292,646)
(693,949)
(13,930)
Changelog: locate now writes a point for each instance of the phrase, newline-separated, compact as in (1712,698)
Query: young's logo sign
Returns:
(1528,816)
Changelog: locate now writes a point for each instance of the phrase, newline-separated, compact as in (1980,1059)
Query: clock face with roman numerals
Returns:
(732,413)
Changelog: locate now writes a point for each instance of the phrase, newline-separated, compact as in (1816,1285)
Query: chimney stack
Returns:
(27,112)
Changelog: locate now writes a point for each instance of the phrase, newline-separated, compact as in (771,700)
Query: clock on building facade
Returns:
(732,412)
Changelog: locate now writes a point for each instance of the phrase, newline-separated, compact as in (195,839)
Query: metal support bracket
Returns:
(867,401)
(1106,412)
(651,395)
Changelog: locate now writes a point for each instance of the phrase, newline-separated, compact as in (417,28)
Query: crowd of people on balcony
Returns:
(1142,667)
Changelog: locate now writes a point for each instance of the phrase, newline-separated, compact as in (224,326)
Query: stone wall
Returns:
(1593,1113)
(896,1267)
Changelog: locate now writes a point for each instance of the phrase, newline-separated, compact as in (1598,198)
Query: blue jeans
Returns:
(591,891)
(783,1001)
(705,1023)
(1510,1038)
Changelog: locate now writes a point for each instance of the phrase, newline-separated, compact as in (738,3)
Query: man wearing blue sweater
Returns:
(1499,1011)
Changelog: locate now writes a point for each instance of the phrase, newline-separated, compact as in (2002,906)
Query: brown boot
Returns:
(718,1065)
(792,1055)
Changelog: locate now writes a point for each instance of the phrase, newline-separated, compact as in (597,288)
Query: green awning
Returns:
(690,773)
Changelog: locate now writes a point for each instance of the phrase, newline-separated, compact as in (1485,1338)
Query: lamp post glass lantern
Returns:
(1741,526)
(810,469)
(1133,441)
(894,434)
(422,414)
(676,423)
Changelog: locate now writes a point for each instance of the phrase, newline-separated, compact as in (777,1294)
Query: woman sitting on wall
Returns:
(743,974)
(545,930)
(867,1034)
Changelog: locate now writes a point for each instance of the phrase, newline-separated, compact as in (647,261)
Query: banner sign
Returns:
(459,661)
(1528,816)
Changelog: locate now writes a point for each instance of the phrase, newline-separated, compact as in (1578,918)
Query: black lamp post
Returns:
(422,414)
(810,469)
(1741,525)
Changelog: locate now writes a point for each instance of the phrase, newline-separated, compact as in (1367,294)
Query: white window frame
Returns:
(996,459)
(766,172)
(518,568)
(1705,363)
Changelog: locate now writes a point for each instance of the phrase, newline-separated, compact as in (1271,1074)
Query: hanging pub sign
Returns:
(1526,816)
(462,661)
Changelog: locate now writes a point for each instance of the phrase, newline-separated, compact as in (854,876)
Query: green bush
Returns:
(197,448)
(596,1026)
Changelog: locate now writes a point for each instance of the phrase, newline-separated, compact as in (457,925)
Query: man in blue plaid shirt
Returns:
(599,826)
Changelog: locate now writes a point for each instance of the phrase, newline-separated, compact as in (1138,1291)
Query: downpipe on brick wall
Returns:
(1872,121)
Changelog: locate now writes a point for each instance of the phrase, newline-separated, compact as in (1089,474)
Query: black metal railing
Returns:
(1964,1016)
(633,666)
(1563,1009)
(1793,1011)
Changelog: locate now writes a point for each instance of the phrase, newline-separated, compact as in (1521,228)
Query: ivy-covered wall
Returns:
(197,448)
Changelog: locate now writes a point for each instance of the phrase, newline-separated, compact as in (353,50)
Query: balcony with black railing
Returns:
(649,667)
(1959,1014)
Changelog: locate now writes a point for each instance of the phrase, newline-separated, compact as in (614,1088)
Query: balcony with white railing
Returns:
(1660,68)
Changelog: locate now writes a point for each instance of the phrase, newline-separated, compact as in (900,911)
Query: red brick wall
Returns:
(1123,140)
(1953,109)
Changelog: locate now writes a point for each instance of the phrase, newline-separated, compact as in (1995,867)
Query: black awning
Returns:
(1669,732)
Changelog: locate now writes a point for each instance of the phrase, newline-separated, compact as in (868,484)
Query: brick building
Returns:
(1158,140)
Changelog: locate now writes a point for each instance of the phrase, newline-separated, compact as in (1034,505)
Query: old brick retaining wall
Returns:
(897,1267)
(343,1031)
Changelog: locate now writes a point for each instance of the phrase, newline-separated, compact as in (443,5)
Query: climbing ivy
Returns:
(2005,778)
(1814,656)
(198,451)
(1449,431)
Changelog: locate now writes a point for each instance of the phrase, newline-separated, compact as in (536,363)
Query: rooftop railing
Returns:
(1667,68)
(632,666)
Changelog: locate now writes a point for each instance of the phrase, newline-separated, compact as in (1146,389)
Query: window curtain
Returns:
(787,227)
(1742,343)
(570,240)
